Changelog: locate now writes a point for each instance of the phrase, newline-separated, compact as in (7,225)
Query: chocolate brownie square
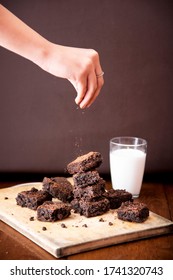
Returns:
(85,179)
(116,197)
(133,212)
(58,187)
(85,163)
(93,208)
(90,192)
(51,211)
(32,198)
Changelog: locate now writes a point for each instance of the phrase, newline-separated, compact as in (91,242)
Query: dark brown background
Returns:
(41,127)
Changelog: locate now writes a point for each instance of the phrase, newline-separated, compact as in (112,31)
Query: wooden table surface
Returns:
(158,197)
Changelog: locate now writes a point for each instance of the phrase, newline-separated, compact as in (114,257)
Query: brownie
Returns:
(51,211)
(90,192)
(116,197)
(58,187)
(92,208)
(76,206)
(85,163)
(32,198)
(133,212)
(85,179)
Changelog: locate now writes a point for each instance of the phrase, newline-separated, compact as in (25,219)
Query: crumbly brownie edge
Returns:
(47,213)
(84,179)
(85,163)
(117,197)
(133,212)
(94,208)
(59,187)
(32,198)
(90,192)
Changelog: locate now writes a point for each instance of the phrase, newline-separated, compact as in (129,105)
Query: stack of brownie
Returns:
(89,187)
(41,200)
(88,195)
(60,188)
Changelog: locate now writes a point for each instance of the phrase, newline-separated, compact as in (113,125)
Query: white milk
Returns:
(127,169)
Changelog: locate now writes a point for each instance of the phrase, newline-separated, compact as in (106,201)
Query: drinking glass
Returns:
(127,163)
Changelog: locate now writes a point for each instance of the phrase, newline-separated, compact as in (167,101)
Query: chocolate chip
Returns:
(31,218)
(101,220)
(85,225)
(44,228)
(63,225)
(6,197)
(110,224)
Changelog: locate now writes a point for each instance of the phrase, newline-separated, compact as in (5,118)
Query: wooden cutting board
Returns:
(80,233)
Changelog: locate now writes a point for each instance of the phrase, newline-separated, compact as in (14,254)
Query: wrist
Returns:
(42,54)
(51,59)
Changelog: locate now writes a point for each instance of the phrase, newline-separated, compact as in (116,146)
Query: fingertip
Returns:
(82,106)
(77,100)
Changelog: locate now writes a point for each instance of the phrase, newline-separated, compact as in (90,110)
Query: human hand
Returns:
(80,66)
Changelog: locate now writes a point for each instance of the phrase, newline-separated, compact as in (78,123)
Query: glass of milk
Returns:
(127,163)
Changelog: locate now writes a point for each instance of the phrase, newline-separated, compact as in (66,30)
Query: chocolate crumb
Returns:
(110,224)
(84,225)
(63,225)
(44,228)
(101,220)
(31,218)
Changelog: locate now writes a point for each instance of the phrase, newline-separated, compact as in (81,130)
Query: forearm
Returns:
(17,37)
